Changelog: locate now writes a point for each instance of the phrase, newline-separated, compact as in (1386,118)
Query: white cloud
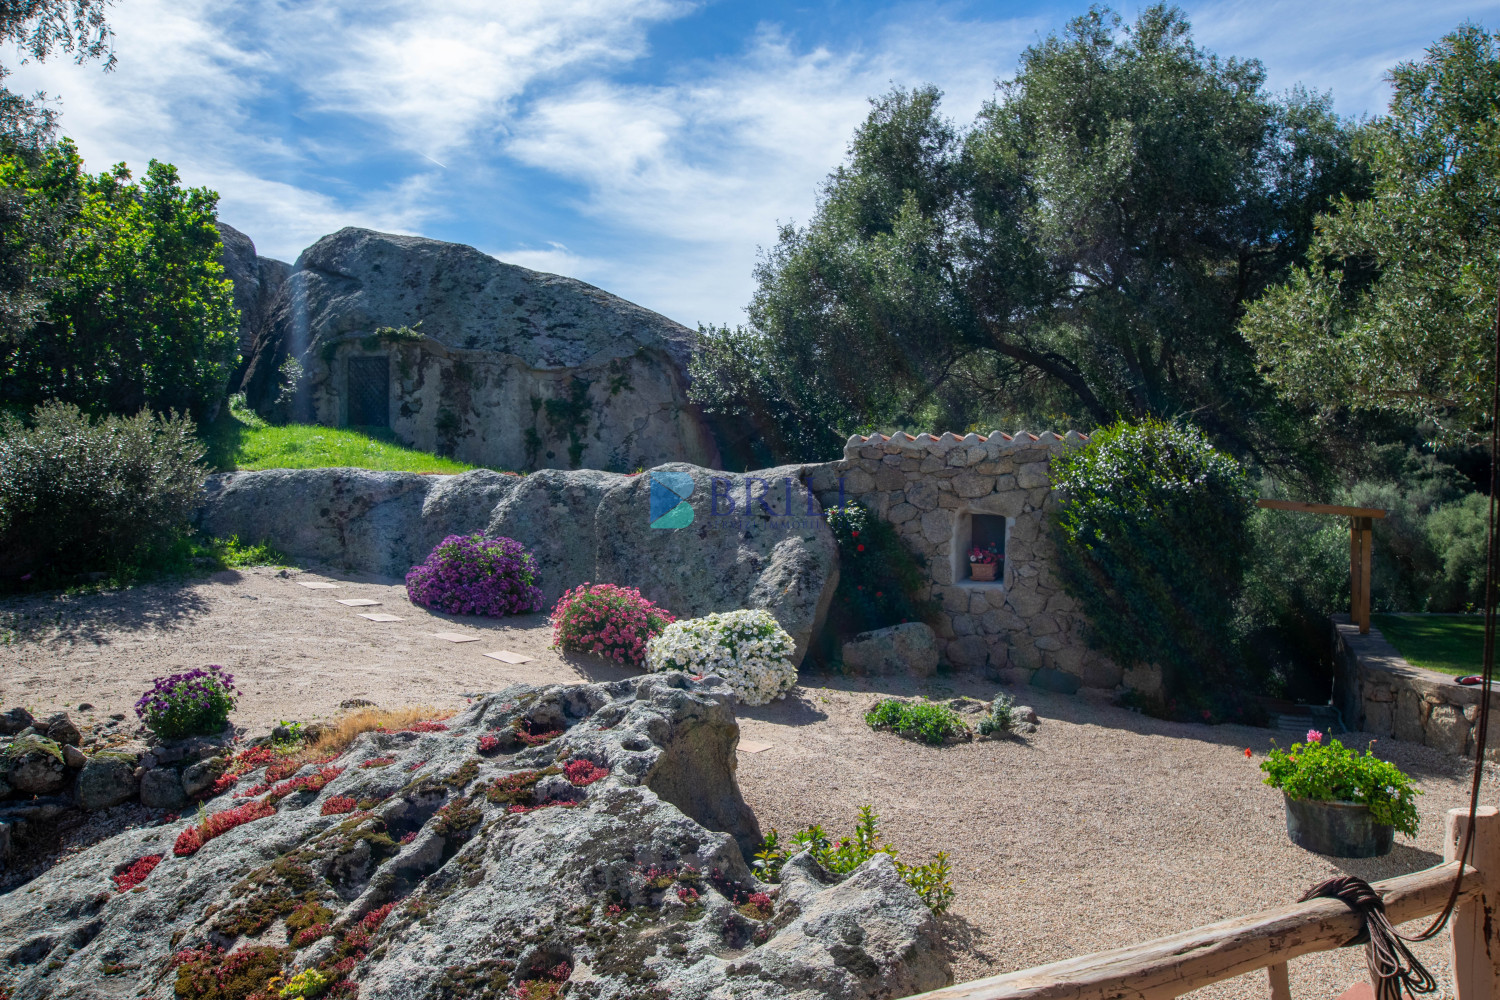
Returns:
(1343,46)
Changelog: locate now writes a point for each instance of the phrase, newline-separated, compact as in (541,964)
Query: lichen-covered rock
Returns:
(161,788)
(495,364)
(33,765)
(906,649)
(461,875)
(106,780)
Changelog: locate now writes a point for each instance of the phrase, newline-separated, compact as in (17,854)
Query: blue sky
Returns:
(647,146)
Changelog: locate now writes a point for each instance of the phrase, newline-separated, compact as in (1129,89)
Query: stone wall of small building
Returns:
(932,488)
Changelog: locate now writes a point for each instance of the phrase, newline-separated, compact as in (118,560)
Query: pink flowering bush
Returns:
(475,575)
(611,621)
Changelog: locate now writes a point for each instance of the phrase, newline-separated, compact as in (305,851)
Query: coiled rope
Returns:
(1394,970)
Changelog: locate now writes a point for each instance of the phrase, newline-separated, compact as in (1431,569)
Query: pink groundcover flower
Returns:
(1313,736)
(611,621)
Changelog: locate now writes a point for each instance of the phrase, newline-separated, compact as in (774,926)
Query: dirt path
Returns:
(1102,829)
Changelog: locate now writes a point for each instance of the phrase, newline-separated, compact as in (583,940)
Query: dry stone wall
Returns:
(935,490)
(1377,690)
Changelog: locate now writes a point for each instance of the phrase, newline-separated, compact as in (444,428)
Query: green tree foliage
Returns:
(39,28)
(116,297)
(1153,540)
(1092,238)
(1394,309)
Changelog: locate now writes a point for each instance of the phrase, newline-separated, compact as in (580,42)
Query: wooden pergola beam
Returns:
(1321,508)
(1361,546)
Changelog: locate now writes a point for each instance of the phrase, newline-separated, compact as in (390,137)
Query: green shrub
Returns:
(79,495)
(1330,772)
(931,881)
(1153,539)
(920,720)
(1001,717)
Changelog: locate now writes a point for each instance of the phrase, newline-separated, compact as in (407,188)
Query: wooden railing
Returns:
(1180,963)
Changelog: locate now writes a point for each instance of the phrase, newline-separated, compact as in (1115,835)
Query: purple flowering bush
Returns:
(475,575)
(196,703)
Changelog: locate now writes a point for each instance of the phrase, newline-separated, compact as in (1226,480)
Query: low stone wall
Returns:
(936,491)
(1378,691)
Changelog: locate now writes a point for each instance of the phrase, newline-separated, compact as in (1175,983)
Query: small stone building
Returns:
(948,494)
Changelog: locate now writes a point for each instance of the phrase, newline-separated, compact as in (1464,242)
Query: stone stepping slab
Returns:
(317,585)
(382,618)
(753,746)
(506,656)
(455,637)
(357,602)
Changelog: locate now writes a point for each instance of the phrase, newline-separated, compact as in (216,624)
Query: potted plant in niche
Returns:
(983,563)
(1339,802)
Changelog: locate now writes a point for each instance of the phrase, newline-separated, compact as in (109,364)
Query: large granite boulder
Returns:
(464,874)
(372,522)
(553,514)
(908,649)
(775,553)
(256,281)
(463,354)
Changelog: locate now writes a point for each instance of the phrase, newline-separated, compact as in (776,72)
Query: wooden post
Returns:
(1281,986)
(1366,557)
(1355,573)
(1476,936)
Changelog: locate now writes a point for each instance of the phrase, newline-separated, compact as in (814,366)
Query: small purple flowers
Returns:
(475,575)
(195,703)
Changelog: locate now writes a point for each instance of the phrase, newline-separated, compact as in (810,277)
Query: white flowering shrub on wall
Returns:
(749,649)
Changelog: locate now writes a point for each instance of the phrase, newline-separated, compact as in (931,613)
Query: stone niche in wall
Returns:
(942,493)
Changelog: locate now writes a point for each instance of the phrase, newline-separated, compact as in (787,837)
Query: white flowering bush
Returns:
(749,649)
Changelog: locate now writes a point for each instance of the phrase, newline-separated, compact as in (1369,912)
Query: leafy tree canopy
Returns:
(1091,240)
(39,28)
(112,297)
(1394,310)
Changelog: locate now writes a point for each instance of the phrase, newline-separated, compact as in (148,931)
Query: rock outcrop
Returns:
(908,649)
(370,522)
(604,849)
(256,280)
(462,354)
(583,526)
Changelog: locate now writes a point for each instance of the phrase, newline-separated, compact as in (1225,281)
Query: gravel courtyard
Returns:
(1102,829)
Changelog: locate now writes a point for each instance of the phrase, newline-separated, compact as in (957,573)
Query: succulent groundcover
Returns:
(475,575)
(749,649)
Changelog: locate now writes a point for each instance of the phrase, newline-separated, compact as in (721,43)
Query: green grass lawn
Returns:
(241,440)
(1453,644)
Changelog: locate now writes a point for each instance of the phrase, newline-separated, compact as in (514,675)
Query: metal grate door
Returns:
(370,392)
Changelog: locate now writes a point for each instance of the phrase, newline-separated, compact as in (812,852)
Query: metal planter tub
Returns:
(1340,829)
